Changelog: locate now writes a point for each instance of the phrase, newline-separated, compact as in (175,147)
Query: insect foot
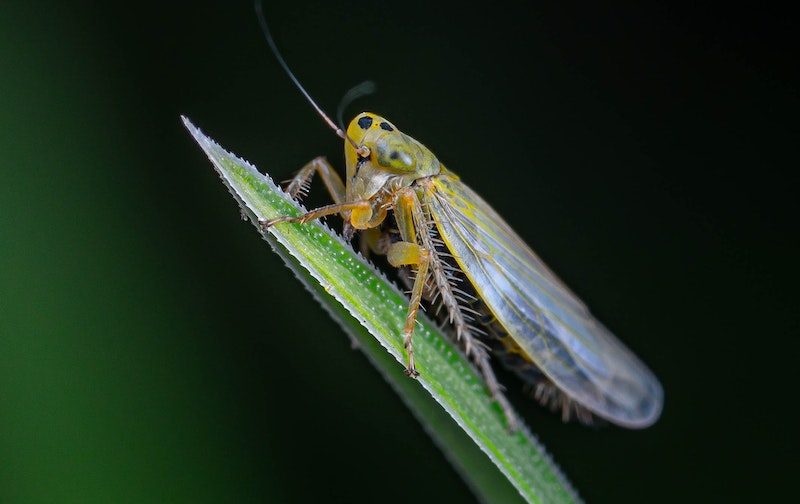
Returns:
(411,373)
(411,370)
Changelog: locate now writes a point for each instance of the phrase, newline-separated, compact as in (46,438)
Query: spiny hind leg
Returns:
(481,358)
(413,225)
(479,353)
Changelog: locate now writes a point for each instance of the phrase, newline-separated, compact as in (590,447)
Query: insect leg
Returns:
(318,213)
(300,183)
(409,214)
(482,360)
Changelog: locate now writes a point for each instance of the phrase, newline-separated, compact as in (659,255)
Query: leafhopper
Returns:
(460,257)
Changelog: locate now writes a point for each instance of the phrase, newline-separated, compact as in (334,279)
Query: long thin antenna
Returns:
(356,92)
(268,35)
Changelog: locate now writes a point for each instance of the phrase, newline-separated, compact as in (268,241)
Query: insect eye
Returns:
(394,155)
(365,122)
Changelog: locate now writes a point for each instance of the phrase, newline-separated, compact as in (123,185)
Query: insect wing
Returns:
(572,348)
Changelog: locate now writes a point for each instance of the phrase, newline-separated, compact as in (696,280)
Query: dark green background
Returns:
(153,349)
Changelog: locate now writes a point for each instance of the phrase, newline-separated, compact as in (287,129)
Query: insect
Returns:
(457,254)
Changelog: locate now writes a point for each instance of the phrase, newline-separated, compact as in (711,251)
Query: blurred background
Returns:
(645,152)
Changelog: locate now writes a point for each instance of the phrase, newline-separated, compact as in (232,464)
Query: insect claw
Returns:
(411,370)
(411,373)
(348,231)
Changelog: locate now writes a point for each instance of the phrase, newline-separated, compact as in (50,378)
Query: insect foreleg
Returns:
(360,205)
(298,187)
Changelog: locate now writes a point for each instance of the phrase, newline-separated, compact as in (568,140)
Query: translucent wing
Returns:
(560,336)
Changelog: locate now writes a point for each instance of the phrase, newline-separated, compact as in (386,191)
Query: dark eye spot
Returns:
(386,126)
(365,122)
(394,155)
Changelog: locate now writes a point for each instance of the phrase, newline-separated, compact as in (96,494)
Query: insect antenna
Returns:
(268,35)
(365,88)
